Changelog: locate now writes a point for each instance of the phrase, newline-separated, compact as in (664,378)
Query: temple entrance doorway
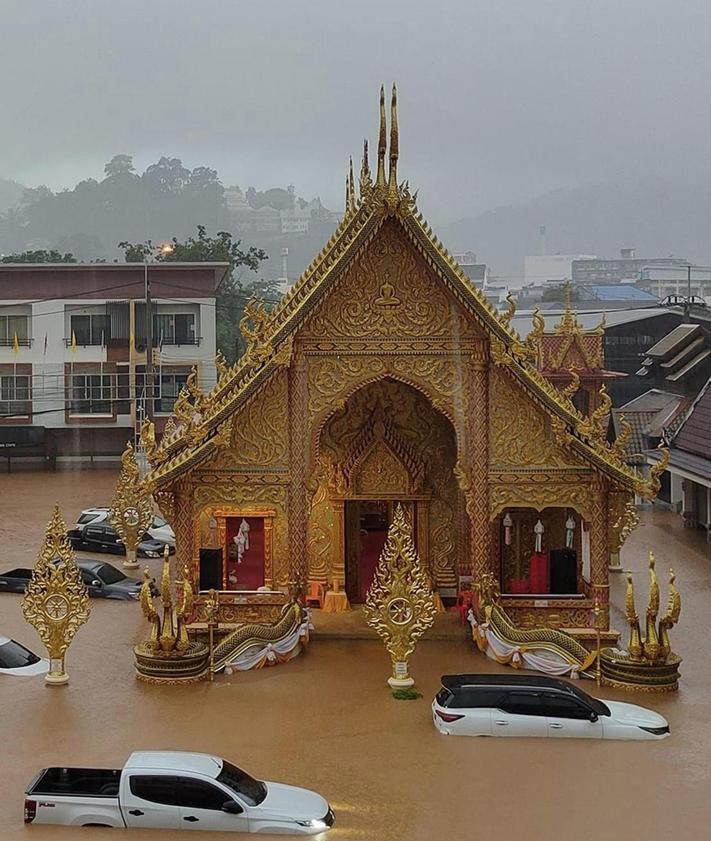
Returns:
(366,530)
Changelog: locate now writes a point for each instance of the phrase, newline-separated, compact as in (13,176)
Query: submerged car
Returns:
(523,705)
(158,530)
(104,538)
(16,660)
(174,790)
(103,580)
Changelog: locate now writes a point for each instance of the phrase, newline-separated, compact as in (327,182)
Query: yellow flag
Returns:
(74,342)
(15,344)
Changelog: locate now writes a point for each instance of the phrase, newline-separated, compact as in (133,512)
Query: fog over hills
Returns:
(10,194)
(657,216)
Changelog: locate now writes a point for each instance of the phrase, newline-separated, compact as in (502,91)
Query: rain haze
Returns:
(500,104)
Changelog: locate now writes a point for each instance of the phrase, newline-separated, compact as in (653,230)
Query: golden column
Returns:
(599,553)
(56,601)
(299,443)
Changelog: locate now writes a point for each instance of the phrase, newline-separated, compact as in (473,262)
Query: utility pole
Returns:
(148,379)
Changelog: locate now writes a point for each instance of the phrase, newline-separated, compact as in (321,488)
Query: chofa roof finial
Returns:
(382,143)
(394,143)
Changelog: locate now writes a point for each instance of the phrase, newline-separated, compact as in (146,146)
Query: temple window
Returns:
(543,553)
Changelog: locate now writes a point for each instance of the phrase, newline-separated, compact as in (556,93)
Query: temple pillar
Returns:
(423,536)
(476,446)
(599,553)
(299,445)
(183,527)
(338,563)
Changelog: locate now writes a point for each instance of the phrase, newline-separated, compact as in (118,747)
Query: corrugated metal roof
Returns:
(694,435)
(689,367)
(621,292)
(521,322)
(673,340)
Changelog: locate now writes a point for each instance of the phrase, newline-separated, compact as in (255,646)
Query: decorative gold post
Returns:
(597,612)
(400,605)
(131,512)
(212,612)
(56,602)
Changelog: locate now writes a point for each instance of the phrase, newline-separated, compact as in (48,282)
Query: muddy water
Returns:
(326,720)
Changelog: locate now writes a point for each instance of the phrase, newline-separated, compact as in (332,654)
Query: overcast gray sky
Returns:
(499,100)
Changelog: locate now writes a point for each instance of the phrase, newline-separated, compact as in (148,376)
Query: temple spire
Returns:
(394,147)
(351,186)
(348,195)
(366,181)
(382,143)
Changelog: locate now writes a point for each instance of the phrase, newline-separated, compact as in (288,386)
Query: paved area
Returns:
(327,721)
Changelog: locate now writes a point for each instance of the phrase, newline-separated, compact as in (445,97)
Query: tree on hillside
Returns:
(119,165)
(233,292)
(41,256)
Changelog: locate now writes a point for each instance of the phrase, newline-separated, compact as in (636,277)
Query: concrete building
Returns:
(625,268)
(73,351)
(550,268)
(677,280)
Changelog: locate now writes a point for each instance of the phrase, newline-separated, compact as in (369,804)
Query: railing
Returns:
(85,343)
(176,341)
(11,342)
(117,342)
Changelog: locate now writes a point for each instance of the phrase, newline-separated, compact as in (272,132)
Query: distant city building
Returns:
(301,217)
(73,347)
(686,280)
(478,273)
(627,268)
(550,268)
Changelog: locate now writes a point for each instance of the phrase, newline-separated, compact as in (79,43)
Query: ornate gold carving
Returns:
(544,494)
(389,291)
(400,604)
(510,311)
(256,336)
(520,431)
(131,511)
(56,602)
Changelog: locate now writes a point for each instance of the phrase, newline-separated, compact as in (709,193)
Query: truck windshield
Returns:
(250,790)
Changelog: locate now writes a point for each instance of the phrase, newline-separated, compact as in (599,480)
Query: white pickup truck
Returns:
(174,790)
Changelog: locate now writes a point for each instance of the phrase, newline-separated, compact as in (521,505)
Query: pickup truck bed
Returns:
(76,782)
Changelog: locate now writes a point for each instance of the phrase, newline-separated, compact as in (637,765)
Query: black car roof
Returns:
(514,681)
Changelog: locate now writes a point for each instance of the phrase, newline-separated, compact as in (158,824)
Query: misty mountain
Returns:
(10,194)
(657,216)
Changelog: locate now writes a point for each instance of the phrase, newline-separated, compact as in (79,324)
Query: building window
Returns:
(170,386)
(15,395)
(90,394)
(14,325)
(89,329)
(174,329)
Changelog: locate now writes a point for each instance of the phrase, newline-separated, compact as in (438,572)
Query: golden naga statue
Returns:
(400,605)
(655,646)
(505,317)
(168,635)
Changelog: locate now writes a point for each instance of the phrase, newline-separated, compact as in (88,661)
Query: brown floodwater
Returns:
(326,720)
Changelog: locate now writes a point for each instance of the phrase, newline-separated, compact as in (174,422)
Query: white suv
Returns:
(159,529)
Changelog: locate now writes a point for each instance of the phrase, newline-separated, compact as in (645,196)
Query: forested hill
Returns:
(10,194)
(658,217)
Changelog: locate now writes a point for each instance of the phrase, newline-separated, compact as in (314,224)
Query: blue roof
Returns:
(621,292)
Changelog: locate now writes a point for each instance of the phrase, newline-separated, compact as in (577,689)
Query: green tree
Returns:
(557,293)
(119,165)
(234,290)
(42,255)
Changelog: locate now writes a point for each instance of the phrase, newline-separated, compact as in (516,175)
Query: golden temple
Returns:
(385,376)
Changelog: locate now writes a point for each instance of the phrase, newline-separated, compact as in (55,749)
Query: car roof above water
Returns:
(454,682)
(198,763)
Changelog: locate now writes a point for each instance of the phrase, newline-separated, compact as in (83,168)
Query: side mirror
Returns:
(593,716)
(97,583)
(231,807)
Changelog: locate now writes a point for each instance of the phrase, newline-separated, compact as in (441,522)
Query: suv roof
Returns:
(454,682)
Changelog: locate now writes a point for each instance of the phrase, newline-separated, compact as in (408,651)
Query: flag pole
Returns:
(15,351)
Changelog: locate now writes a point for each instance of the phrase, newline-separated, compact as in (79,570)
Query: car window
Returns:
(443,696)
(110,575)
(93,534)
(558,705)
(86,518)
(250,790)
(476,698)
(87,576)
(197,794)
(524,703)
(156,789)
(13,656)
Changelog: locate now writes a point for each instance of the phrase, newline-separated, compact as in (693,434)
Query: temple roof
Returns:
(198,425)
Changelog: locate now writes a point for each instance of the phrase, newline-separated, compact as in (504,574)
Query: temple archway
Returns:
(386,444)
